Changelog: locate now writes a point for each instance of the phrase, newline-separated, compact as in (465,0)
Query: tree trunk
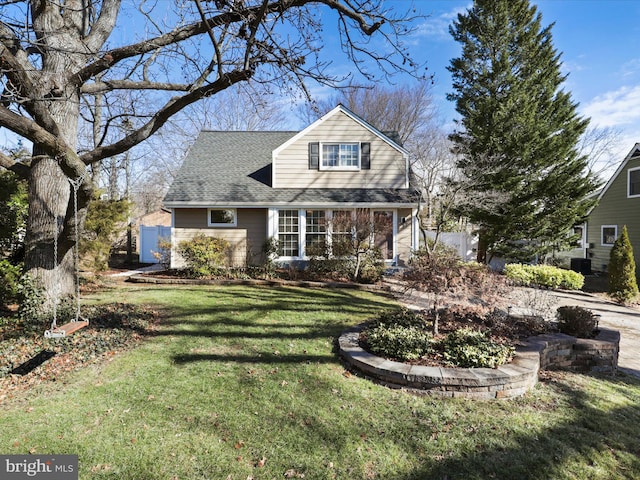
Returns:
(51,209)
(48,200)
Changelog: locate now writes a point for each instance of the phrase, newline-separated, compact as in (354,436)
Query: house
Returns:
(618,205)
(249,187)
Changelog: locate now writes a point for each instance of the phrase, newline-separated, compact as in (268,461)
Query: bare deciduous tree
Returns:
(52,54)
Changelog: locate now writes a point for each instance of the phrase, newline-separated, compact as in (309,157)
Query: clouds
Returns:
(437,27)
(617,108)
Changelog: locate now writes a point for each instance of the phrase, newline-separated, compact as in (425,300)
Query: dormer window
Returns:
(340,155)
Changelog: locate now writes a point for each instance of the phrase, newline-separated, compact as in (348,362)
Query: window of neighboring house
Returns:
(340,156)
(633,176)
(315,232)
(609,235)
(288,233)
(222,217)
(579,231)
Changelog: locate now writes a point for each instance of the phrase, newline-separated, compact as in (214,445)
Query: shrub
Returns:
(372,266)
(400,317)
(163,255)
(434,270)
(469,348)
(577,321)
(623,285)
(399,342)
(106,220)
(204,255)
(9,280)
(543,276)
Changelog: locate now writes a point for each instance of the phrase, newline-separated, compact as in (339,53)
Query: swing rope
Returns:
(78,322)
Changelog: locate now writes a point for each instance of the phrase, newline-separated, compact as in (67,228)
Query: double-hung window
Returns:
(340,156)
(289,233)
(315,232)
(609,234)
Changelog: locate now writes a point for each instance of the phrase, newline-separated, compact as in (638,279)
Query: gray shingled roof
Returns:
(234,169)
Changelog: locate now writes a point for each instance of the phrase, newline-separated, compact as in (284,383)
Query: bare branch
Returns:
(110,85)
(18,168)
(163,114)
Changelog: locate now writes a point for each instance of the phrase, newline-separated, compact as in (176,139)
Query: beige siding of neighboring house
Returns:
(405,236)
(388,167)
(246,240)
(614,208)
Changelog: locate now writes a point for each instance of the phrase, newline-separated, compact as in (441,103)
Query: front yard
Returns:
(244,382)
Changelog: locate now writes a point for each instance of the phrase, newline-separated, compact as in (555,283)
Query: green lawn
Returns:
(244,382)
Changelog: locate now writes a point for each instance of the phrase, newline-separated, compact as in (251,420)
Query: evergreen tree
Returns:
(623,285)
(525,182)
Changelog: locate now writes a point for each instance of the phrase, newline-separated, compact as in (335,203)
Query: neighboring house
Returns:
(618,205)
(248,187)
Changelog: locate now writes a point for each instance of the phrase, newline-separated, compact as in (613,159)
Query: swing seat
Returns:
(66,329)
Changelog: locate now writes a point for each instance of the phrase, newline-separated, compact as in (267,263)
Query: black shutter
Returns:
(314,155)
(365,156)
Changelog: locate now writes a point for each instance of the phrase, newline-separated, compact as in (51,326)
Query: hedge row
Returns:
(544,276)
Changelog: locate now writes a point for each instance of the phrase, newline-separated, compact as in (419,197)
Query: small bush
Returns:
(401,317)
(577,321)
(163,255)
(543,276)
(399,342)
(372,267)
(9,280)
(204,255)
(469,348)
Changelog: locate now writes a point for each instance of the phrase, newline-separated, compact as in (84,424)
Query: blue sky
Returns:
(600,45)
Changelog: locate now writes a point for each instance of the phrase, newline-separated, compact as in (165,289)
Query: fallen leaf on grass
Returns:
(239,444)
(291,473)
(261,463)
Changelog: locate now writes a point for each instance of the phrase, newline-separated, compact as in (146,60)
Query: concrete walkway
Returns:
(612,315)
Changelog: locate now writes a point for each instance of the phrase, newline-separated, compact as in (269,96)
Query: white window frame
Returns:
(353,168)
(629,195)
(602,227)
(229,224)
(299,233)
(272,227)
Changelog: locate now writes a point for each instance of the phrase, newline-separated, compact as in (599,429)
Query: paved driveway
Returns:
(624,319)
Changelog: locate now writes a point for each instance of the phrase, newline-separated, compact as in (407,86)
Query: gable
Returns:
(621,171)
(377,161)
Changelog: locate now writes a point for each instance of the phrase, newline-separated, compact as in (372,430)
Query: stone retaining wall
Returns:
(553,351)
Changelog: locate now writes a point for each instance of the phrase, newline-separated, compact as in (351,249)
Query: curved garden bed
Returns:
(542,352)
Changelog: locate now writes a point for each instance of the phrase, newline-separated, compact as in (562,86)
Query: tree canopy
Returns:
(525,182)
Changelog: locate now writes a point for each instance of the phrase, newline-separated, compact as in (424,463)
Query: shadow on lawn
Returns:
(260,312)
(546,454)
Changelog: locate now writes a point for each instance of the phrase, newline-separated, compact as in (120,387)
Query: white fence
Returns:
(149,237)
(465,244)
